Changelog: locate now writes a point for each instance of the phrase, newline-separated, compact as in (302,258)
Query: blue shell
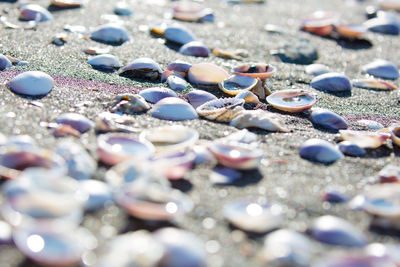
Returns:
(199,97)
(320,151)
(328,119)
(383,69)
(331,82)
(350,149)
(178,34)
(155,94)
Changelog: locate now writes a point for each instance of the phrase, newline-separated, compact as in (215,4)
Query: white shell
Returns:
(105,61)
(258,119)
(31,83)
(206,74)
(364,139)
(110,33)
(5,63)
(174,109)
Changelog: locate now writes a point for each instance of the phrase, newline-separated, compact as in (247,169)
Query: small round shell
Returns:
(110,33)
(236,84)
(105,61)
(292,100)
(174,109)
(206,74)
(31,83)
(155,94)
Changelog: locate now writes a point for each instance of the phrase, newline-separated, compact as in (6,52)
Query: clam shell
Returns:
(382,68)
(144,68)
(317,69)
(291,100)
(364,139)
(224,176)
(221,110)
(113,149)
(373,84)
(155,94)
(386,24)
(242,136)
(199,97)
(33,83)
(258,119)
(110,33)
(20,141)
(382,200)
(328,119)
(76,121)
(236,155)
(253,216)
(122,8)
(189,11)
(350,31)
(129,171)
(257,70)
(396,135)
(320,22)
(178,34)
(170,139)
(336,231)
(331,82)
(105,61)
(174,109)
(174,166)
(320,151)
(195,49)
(179,66)
(99,194)
(5,63)
(206,74)
(31,11)
(236,84)
(177,83)
(350,149)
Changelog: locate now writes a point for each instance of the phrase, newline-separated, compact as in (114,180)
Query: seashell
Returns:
(320,22)
(174,109)
(199,97)
(320,151)
(131,172)
(350,31)
(256,70)
(60,39)
(253,216)
(286,247)
(225,176)
(221,110)
(336,231)
(5,63)
(384,23)
(81,165)
(334,196)
(5,233)
(50,245)
(382,200)
(331,82)
(144,68)
(395,133)
(242,136)
(389,5)
(274,29)
(33,83)
(76,121)
(236,155)
(99,194)
(236,84)
(364,139)
(170,139)
(110,33)
(155,94)
(33,11)
(113,149)
(122,8)
(190,11)
(350,149)
(248,96)
(179,66)
(353,260)
(291,100)
(389,174)
(317,69)
(158,28)
(373,84)
(151,201)
(178,34)
(67,3)
(206,74)
(22,141)
(182,248)
(382,68)
(203,155)
(174,166)
(166,74)
(130,104)
(258,119)
(176,83)
(238,54)
(328,119)
(111,122)
(137,248)
(195,49)
(105,61)
(93,50)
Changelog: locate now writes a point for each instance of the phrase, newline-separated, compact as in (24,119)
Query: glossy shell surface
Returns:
(110,33)
(178,34)
(236,84)
(31,83)
(331,82)
(291,100)
(199,97)
(221,110)
(206,74)
(195,49)
(76,121)
(328,119)
(320,151)
(143,68)
(257,70)
(383,69)
(155,94)
(174,109)
(105,61)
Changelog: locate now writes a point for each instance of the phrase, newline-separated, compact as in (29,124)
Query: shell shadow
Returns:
(54,8)
(134,224)
(182,185)
(396,150)
(140,80)
(248,177)
(380,152)
(323,129)
(105,70)
(38,97)
(252,235)
(172,46)
(354,44)
(108,43)
(338,94)
(27,262)
(384,231)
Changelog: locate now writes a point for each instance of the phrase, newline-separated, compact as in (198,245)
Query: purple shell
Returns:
(350,149)
(155,94)
(174,109)
(76,121)
(195,48)
(199,97)
(328,119)
(331,82)
(320,151)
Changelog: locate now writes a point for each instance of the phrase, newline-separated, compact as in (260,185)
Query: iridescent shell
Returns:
(179,66)
(336,231)
(198,97)
(143,68)
(33,83)
(364,139)
(253,216)
(236,84)
(320,151)
(291,100)
(385,23)
(382,68)
(76,121)
(373,84)
(178,34)
(258,119)
(236,155)
(206,74)
(221,110)
(105,61)
(331,82)
(32,11)
(195,49)
(328,119)
(256,70)
(113,149)
(174,109)
(155,94)
(110,33)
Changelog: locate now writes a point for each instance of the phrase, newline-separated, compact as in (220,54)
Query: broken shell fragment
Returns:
(382,68)
(5,63)
(249,97)
(331,82)
(320,151)
(110,33)
(364,139)
(178,34)
(373,84)
(96,50)
(206,74)
(174,109)
(328,119)
(113,149)
(236,155)
(292,100)
(32,83)
(238,54)
(105,61)
(155,94)
(33,11)
(236,84)
(76,121)
(257,70)
(350,149)
(253,216)
(195,49)
(130,104)
(143,68)
(221,110)
(199,97)
(258,119)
